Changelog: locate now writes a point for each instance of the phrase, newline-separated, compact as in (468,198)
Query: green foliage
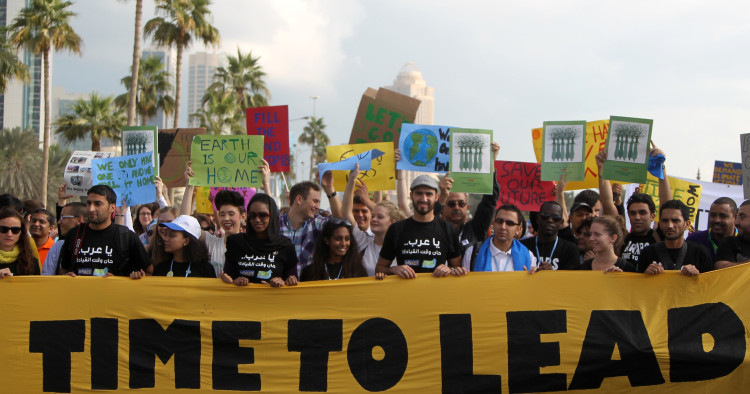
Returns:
(95,118)
(314,135)
(220,114)
(10,66)
(243,77)
(153,90)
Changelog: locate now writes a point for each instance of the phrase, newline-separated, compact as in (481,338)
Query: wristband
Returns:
(332,195)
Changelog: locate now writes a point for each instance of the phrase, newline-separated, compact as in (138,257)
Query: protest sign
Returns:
(247,194)
(380,115)
(381,175)
(364,160)
(424,148)
(745,146)
(471,160)
(203,201)
(627,149)
(141,139)
(273,124)
(521,185)
(227,160)
(586,333)
(563,150)
(131,177)
(596,138)
(727,173)
(174,153)
(687,191)
(77,175)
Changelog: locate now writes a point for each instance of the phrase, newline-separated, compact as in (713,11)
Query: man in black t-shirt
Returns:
(423,242)
(551,251)
(674,253)
(736,250)
(102,248)
(641,212)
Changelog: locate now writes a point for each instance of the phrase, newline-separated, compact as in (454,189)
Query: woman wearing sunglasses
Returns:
(262,254)
(187,256)
(336,254)
(16,252)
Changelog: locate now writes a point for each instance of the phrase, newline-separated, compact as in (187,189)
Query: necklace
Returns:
(171,273)
(539,255)
(341,268)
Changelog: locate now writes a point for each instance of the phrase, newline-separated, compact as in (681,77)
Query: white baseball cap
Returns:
(185,223)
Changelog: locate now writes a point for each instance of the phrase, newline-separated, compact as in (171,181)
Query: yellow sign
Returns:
(203,203)
(382,176)
(683,190)
(596,140)
(487,333)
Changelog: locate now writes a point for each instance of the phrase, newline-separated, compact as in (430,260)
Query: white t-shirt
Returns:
(216,251)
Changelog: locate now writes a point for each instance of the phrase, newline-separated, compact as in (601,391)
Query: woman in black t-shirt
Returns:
(189,256)
(605,238)
(336,254)
(262,254)
(16,253)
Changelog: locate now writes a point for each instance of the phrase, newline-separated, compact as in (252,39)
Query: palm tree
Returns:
(135,68)
(96,118)
(19,162)
(244,77)
(181,21)
(10,66)
(153,82)
(58,160)
(219,114)
(40,27)
(314,135)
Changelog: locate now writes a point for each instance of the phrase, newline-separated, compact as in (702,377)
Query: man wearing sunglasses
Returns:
(502,252)
(736,250)
(551,251)
(71,215)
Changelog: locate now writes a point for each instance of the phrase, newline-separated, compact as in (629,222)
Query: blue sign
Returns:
(727,173)
(424,148)
(131,177)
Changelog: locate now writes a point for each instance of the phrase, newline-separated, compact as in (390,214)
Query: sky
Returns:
(506,66)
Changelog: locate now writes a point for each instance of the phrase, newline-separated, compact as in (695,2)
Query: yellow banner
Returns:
(683,190)
(596,140)
(203,203)
(382,176)
(487,332)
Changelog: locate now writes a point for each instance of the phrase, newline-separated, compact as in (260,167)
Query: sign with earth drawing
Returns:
(227,160)
(471,162)
(424,148)
(141,139)
(627,149)
(563,148)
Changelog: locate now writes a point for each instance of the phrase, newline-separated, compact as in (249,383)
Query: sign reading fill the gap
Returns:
(273,124)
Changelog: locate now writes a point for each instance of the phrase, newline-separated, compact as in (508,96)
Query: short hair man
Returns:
(362,214)
(423,242)
(721,218)
(674,253)
(101,247)
(41,224)
(578,213)
(502,252)
(641,213)
(71,216)
(734,250)
(551,251)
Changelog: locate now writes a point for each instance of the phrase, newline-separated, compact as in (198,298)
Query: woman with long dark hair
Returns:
(16,252)
(144,214)
(262,254)
(336,254)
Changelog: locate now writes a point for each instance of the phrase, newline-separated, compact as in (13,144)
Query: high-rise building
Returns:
(168,57)
(409,82)
(22,105)
(201,69)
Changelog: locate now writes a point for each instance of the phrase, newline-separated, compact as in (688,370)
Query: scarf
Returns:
(9,257)
(518,252)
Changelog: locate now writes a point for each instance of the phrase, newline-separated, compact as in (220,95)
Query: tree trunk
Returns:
(96,144)
(136,63)
(312,154)
(178,88)
(45,142)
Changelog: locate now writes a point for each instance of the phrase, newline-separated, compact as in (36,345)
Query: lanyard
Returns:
(337,276)
(711,239)
(539,255)
(171,273)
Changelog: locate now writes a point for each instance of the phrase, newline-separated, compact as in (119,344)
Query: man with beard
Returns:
(721,217)
(736,250)
(72,215)
(674,253)
(423,242)
(551,251)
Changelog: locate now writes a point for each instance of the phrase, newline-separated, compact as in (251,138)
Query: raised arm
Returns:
(346,206)
(605,189)
(665,190)
(560,196)
(186,208)
(402,189)
(364,195)
(327,184)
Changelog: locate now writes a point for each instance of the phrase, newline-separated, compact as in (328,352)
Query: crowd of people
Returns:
(429,229)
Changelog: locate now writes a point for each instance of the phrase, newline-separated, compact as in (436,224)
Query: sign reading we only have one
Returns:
(227,160)
(273,124)
(131,177)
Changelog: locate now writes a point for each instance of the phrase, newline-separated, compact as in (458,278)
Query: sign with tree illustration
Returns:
(141,139)
(627,149)
(471,160)
(563,150)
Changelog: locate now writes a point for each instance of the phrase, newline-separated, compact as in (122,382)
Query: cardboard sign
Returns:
(424,148)
(174,153)
(563,150)
(727,173)
(273,124)
(628,143)
(521,185)
(596,138)
(141,139)
(380,115)
(471,161)
(77,175)
(227,160)
(745,146)
(131,177)
(382,174)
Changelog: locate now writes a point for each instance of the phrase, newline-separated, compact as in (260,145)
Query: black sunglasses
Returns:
(547,216)
(453,204)
(259,215)
(338,221)
(509,223)
(5,229)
